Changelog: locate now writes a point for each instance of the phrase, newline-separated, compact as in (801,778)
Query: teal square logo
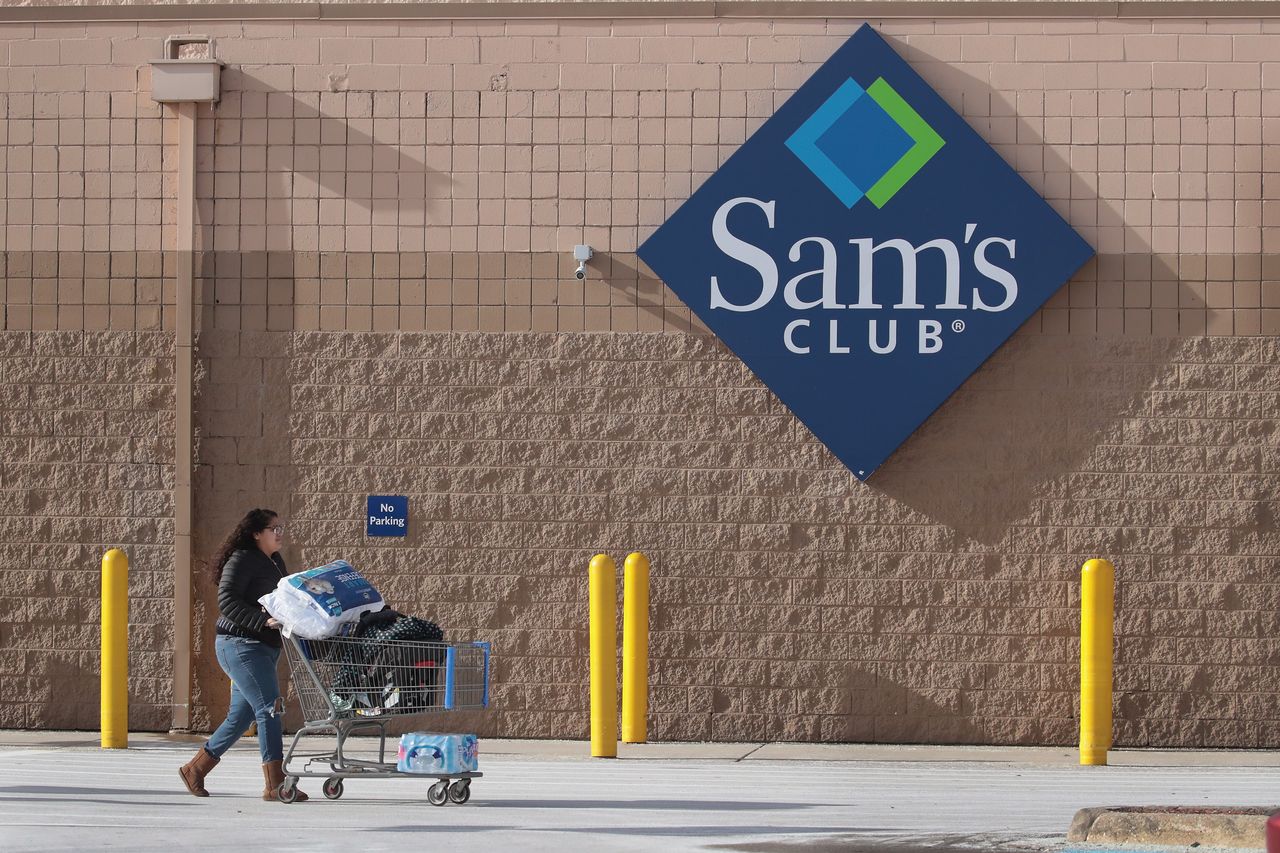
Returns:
(865,142)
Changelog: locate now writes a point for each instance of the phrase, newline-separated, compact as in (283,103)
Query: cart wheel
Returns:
(460,791)
(332,788)
(288,790)
(438,794)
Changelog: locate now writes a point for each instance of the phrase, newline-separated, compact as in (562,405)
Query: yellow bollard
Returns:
(635,648)
(603,586)
(1097,610)
(115,650)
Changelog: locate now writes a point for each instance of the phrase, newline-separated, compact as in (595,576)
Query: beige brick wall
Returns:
(379,200)
(505,143)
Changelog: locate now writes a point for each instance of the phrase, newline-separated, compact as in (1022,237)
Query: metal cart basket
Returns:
(349,684)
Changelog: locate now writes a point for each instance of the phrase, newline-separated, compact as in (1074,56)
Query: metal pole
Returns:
(1097,610)
(635,648)
(115,650)
(603,594)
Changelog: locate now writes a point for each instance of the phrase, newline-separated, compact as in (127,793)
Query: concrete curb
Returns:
(1173,826)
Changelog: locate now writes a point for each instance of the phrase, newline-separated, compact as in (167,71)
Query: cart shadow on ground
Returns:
(710,831)
(674,805)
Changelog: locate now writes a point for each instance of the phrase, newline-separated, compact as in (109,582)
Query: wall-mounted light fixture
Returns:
(189,71)
(581,254)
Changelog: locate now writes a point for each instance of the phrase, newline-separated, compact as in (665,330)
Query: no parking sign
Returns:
(388,515)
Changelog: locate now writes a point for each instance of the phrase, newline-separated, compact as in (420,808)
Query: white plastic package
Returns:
(317,603)
(422,752)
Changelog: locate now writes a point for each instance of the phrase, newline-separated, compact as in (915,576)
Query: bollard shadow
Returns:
(78,791)
(175,800)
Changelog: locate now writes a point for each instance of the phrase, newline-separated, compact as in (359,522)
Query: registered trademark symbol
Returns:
(957,325)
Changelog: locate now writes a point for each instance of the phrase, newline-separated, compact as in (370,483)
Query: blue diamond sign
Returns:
(864,252)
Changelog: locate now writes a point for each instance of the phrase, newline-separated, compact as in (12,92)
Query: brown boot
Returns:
(273,774)
(194,771)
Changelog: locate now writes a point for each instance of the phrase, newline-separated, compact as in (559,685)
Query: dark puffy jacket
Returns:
(248,575)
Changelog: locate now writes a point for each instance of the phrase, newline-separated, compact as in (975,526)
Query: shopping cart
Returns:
(349,684)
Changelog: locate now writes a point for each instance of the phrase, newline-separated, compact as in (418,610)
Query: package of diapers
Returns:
(319,603)
(438,754)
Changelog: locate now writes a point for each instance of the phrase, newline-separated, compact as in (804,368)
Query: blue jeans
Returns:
(255,695)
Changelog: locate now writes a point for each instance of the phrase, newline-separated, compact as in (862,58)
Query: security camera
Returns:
(581,254)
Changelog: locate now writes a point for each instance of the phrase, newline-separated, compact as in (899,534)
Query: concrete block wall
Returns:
(938,603)
(86,463)
(386,209)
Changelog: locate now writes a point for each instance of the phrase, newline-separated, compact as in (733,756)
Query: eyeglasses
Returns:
(277,530)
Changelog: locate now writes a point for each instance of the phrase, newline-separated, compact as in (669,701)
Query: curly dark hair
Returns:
(254,521)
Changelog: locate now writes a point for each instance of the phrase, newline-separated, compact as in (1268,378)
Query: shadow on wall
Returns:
(1033,423)
(64,692)
(330,185)
(65,689)
(479,723)
(884,710)
(633,282)
(244,363)
(1046,419)
(242,421)
(337,154)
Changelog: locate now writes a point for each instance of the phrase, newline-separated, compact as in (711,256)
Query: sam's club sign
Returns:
(864,252)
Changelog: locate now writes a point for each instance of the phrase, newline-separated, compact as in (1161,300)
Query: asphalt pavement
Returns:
(60,792)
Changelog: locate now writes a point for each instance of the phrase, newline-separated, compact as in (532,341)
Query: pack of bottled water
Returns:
(422,752)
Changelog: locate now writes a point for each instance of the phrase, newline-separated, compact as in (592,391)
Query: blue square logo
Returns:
(864,252)
(864,142)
